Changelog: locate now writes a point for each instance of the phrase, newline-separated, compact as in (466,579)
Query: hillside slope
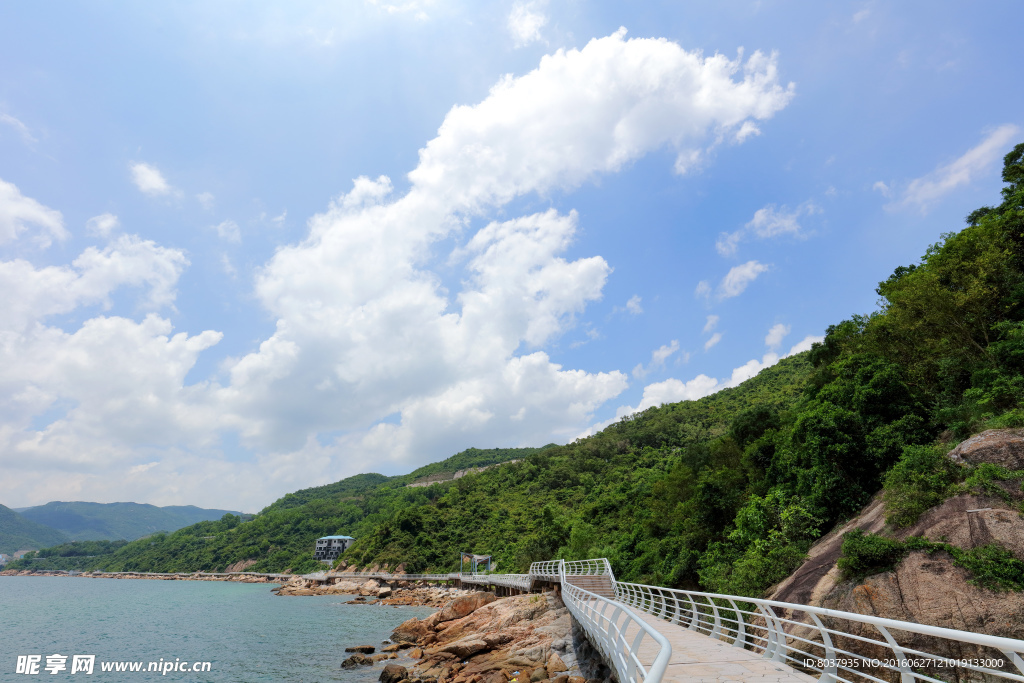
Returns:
(18,533)
(115,521)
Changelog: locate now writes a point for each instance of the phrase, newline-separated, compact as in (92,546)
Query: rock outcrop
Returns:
(1003,447)
(482,639)
(929,588)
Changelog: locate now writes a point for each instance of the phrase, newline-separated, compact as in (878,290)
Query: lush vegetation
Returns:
(728,492)
(18,533)
(115,521)
(282,535)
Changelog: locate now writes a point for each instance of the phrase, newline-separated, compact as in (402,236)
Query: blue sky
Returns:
(250,248)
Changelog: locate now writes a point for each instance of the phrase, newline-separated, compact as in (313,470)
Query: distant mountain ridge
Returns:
(83,521)
(18,533)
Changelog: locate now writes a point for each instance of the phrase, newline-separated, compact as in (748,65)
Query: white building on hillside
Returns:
(328,548)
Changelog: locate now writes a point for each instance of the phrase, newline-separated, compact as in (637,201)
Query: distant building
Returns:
(3,559)
(21,553)
(329,548)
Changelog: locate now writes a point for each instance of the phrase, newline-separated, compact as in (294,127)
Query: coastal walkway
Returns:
(652,634)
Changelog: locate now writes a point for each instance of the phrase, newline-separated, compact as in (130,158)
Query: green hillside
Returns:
(18,533)
(115,521)
(727,492)
(362,483)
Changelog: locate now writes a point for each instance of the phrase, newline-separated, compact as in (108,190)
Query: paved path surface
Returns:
(698,658)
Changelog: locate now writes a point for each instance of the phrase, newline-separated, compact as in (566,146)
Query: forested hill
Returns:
(362,483)
(18,533)
(115,521)
(727,492)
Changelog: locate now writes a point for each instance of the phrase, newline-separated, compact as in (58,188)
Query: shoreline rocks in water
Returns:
(479,638)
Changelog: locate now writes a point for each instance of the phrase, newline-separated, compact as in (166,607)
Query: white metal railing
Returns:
(546,570)
(841,647)
(320,576)
(838,647)
(589,568)
(615,630)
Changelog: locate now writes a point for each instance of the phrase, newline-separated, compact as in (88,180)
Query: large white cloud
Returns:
(390,346)
(18,212)
(366,328)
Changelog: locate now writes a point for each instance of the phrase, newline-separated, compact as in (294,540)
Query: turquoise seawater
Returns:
(247,633)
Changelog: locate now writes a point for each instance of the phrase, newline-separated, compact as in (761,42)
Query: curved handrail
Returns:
(838,655)
(608,624)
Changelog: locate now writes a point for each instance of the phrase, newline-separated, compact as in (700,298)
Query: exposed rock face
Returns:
(1003,447)
(481,639)
(460,607)
(240,566)
(928,588)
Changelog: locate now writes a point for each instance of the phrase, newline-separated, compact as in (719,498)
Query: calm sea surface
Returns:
(249,634)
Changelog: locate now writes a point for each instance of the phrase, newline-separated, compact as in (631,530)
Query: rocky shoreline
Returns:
(479,638)
(198,576)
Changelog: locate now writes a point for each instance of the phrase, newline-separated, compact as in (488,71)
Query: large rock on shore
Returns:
(495,640)
(467,604)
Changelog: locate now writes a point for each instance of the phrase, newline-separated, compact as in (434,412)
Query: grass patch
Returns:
(990,566)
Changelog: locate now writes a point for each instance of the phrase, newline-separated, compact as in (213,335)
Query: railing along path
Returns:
(835,646)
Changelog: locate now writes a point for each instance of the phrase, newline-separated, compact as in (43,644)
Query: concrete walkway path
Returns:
(697,658)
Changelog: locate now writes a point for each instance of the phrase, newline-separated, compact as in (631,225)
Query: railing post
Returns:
(741,634)
(828,673)
(695,618)
(775,648)
(905,674)
(717,630)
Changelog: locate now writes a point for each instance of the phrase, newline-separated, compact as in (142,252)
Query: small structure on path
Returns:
(474,562)
(328,548)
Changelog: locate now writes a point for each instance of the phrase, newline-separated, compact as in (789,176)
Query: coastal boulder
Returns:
(1003,447)
(467,604)
(555,665)
(356,660)
(362,649)
(410,631)
(467,647)
(393,673)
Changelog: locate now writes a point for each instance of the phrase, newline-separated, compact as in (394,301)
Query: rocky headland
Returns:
(479,638)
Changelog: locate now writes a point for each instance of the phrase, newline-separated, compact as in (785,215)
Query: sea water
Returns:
(247,633)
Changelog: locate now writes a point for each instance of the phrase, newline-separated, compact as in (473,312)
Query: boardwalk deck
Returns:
(697,658)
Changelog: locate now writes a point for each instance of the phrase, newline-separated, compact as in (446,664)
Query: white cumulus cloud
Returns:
(739,278)
(103,225)
(776,334)
(228,231)
(150,180)
(924,191)
(18,212)
(658,358)
(712,341)
(525,22)
(767,222)
(375,360)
